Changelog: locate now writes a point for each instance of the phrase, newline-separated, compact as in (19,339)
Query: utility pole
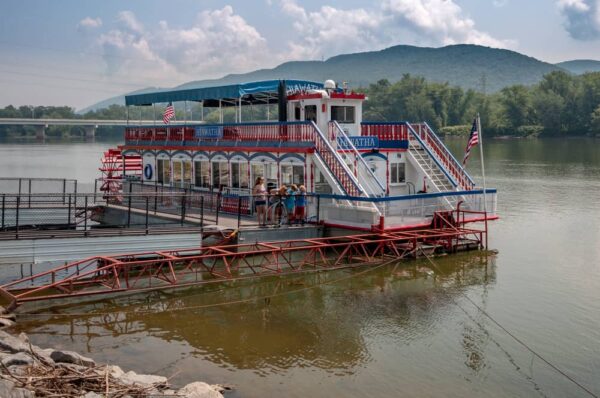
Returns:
(483,82)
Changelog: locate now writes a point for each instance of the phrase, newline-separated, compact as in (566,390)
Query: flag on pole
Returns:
(169,113)
(473,140)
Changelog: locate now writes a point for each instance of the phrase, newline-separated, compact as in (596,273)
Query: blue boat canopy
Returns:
(261,92)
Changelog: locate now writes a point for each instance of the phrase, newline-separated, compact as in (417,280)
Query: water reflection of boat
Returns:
(326,327)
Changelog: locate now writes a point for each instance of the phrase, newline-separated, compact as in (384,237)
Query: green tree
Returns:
(595,121)
(517,105)
(549,110)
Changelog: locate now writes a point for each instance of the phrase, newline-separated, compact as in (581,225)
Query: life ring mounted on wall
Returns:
(148,171)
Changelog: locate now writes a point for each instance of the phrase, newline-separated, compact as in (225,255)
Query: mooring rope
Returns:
(508,332)
(221,304)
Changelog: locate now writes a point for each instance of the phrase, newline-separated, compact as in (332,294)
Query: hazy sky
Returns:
(76,53)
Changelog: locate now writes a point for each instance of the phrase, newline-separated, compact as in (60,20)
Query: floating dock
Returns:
(172,269)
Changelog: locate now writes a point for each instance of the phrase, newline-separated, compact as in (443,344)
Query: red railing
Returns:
(336,164)
(443,156)
(385,131)
(292,132)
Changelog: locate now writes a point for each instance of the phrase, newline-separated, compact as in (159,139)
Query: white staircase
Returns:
(340,141)
(441,167)
(333,167)
(437,180)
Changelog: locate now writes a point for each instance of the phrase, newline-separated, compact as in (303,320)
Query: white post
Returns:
(240,110)
(202,111)
(153,122)
(482,164)
(220,112)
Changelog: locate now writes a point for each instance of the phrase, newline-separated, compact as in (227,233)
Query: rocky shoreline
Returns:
(28,371)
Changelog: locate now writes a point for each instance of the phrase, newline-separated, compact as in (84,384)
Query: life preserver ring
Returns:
(148,171)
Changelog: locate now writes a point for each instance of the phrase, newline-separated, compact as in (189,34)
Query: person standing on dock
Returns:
(300,205)
(260,200)
(290,203)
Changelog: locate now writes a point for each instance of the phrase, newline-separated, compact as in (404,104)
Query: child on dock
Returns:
(300,205)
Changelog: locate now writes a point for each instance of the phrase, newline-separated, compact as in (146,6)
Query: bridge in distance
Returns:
(89,125)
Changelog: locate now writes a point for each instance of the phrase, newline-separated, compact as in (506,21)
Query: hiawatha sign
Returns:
(359,142)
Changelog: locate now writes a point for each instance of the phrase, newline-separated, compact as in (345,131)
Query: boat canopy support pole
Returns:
(154,119)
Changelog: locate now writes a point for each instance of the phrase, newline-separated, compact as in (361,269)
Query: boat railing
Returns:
(339,170)
(385,131)
(300,131)
(15,185)
(362,170)
(443,155)
(416,140)
(408,210)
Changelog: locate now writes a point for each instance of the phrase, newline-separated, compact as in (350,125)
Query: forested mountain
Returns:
(468,66)
(580,66)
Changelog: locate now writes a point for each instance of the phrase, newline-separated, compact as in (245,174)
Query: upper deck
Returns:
(264,135)
(292,132)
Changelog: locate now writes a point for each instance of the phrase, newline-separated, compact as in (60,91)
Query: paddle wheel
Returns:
(115,167)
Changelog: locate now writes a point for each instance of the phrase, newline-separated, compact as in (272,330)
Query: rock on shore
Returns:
(26,369)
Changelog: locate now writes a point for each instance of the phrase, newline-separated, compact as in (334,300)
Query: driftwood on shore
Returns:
(30,371)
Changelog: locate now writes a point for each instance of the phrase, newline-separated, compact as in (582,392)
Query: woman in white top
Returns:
(260,200)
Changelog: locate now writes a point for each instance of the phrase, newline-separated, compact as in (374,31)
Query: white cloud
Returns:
(330,31)
(499,3)
(582,18)
(441,21)
(128,21)
(218,42)
(89,23)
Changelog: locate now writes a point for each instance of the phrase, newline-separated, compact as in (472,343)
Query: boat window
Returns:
(164,171)
(297,112)
(187,173)
(397,173)
(256,170)
(271,174)
(201,174)
(342,114)
(239,175)
(220,174)
(310,113)
(292,174)
(177,173)
(268,170)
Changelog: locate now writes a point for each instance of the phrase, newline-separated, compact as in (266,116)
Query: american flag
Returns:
(169,113)
(473,140)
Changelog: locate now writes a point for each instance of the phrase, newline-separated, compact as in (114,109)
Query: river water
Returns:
(408,329)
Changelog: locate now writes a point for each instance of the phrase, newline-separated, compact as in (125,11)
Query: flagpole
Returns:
(482,163)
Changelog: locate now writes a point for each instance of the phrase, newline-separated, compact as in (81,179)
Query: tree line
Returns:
(560,104)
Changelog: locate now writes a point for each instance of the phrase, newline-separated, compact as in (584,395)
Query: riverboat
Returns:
(368,174)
